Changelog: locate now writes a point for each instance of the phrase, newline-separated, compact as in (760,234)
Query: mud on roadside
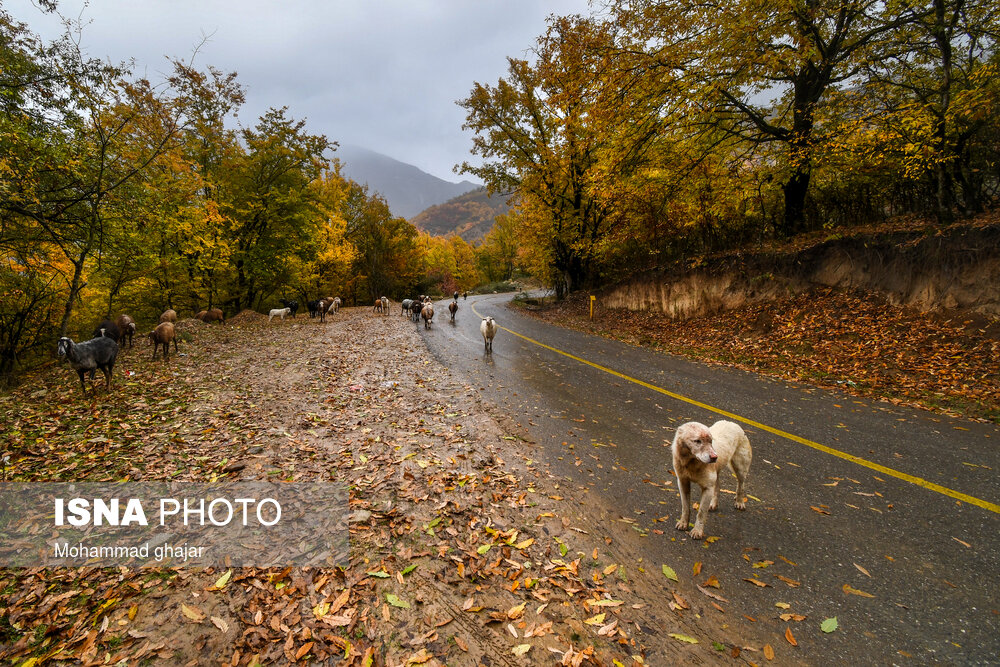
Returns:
(463,550)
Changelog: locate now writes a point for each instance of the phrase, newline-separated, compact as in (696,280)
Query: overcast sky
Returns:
(383,74)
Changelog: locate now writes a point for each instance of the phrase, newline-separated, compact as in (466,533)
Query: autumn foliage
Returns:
(121,194)
(656,130)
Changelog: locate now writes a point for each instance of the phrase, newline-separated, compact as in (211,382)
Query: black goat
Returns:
(90,355)
(313,307)
(292,305)
(108,329)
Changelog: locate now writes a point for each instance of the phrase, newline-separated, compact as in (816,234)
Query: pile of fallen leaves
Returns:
(246,316)
(856,342)
(461,550)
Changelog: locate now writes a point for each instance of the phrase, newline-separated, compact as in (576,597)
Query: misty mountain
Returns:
(407,189)
(469,215)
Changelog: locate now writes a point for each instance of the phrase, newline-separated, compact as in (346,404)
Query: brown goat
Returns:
(169,316)
(200,315)
(126,327)
(213,315)
(162,335)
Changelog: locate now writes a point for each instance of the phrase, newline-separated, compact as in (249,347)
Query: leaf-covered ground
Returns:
(463,550)
(855,342)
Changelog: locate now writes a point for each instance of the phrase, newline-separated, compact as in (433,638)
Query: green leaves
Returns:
(829,625)
(669,573)
(396,602)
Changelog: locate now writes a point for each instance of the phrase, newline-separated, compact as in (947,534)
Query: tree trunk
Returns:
(795,191)
(74,289)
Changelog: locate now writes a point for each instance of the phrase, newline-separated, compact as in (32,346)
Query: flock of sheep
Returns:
(416,309)
(101,352)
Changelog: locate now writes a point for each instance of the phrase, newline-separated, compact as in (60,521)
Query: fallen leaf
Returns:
(829,625)
(758,582)
(221,582)
(521,649)
(862,570)
(605,603)
(396,602)
(768,652)
(516,612)
(669,573)
(854,591)
(711,594)
(683,638)
(790,637)
(192,613)
(792,617)
(596,620)
(304,650)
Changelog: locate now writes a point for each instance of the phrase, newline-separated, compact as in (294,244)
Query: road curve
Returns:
(886,518)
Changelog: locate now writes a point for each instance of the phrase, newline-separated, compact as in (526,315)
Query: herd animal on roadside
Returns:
(109,336)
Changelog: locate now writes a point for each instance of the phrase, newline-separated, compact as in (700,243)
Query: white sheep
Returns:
(278,312)
(489,329)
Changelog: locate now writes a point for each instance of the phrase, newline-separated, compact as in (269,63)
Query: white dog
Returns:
(278,312)
(699,454)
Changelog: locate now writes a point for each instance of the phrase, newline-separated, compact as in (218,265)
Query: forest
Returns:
(122,194)
(644,133)
(655,131)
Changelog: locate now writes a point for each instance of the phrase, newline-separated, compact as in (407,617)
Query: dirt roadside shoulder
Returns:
(464,551)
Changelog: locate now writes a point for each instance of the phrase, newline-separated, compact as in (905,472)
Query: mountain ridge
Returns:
(407,189)
(470,215)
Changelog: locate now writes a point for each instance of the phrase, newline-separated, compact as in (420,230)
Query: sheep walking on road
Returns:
(453,308)
(427,312)
(90,355)
(489,329)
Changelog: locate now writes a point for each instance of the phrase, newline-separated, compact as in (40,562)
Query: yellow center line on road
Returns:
(912,479)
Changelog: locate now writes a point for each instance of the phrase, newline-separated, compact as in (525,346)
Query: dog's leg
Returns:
(707,500)
(684,486)
(741,466)
(715,494)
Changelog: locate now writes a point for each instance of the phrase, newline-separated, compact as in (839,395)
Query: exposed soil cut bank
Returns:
(907,263)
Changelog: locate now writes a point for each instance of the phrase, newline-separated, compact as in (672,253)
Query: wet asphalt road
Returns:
(815,523)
